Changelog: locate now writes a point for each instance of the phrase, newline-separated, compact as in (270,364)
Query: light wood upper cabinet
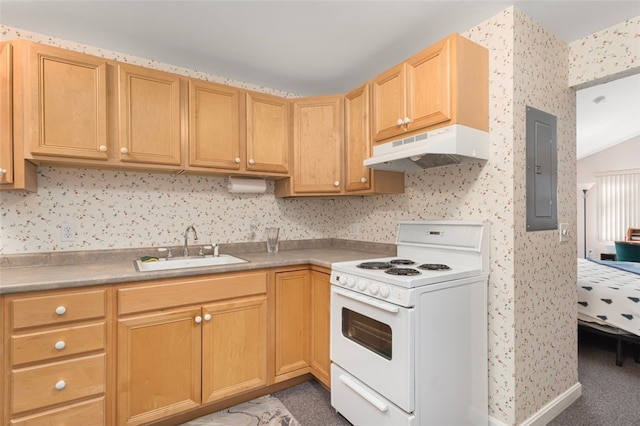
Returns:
(447,83)
(6,114)
(390,102)
(317,147)
(149,114)
(66,103)
(358,147)
(214,136)
(357,139)
(267,119)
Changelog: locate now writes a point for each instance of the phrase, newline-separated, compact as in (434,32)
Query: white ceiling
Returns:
(302,47)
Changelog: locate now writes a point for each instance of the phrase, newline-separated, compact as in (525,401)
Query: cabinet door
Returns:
(389,103)
(65,103)
(159,359)
(214,126)
(6,114)
(429,86)
(234,347)
(149,116)
(267,133)
(292,323)
(317,144)
(358,139)
(320,297)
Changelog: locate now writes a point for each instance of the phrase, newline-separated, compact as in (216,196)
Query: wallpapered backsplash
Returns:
(532,346)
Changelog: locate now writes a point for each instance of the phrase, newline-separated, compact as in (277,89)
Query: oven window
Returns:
(371,334)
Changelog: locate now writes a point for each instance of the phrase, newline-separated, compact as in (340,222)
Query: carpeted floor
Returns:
(310,404)
(610,394)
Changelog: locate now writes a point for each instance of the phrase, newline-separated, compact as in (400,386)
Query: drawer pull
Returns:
(60,345)
(60,310)
(60,385)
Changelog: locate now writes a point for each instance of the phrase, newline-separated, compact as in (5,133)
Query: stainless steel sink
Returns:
(187,262)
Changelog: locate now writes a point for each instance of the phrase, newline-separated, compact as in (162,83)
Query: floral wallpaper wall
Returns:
(545,269)
(606,55)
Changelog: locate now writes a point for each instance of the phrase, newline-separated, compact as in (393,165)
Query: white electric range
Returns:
(409,332)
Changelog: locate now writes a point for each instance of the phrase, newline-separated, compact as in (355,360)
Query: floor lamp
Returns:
(585,187)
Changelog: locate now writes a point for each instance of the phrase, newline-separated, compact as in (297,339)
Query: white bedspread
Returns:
(610,295)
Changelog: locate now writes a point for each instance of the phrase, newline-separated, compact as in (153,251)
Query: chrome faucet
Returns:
(185,251)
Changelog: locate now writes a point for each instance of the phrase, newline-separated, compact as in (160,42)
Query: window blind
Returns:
(618,203)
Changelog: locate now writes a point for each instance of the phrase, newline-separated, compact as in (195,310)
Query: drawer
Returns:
(35,387)
(49,345)
(174,293)
(31,311)
(85,413)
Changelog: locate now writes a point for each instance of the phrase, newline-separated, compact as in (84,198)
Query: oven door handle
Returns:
(367,300)
(351,384)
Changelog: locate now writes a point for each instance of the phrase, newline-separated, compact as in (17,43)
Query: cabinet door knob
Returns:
(407,120)
(336,184)
(3,172)
(363,180)
(207,317)
(251,161)
(400,122)
(198,319)
(124,150)
(60,385)
(60,345)
(237,160)
(60,310)
(103,148)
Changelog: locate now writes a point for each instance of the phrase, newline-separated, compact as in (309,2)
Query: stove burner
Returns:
(402,262)
(402,271)
(374,265)
(434,267)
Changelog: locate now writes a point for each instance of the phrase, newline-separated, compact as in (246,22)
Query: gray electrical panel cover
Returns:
(542,171)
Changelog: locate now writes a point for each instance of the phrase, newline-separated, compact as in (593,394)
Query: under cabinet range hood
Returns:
(440,147)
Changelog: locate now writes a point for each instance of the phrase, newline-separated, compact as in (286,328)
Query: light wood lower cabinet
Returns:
(56,358)
(174,360)
(319,351)
(302,324)
(181,344)
(292,297)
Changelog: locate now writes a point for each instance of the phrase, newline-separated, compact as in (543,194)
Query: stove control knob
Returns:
(351,282)
(384,291)
(362,285)
(342,279)
(373,288)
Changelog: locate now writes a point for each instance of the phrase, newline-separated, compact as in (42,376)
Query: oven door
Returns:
(372,340)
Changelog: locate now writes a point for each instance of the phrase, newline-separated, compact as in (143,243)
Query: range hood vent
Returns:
(448,145)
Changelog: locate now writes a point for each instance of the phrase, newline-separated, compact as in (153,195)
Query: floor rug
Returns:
(264,411)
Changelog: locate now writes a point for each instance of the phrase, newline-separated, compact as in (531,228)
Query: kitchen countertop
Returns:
(54,276)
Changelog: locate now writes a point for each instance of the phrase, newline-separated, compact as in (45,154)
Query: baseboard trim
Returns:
(549,411)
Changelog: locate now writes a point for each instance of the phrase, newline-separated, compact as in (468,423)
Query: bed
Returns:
(609,301)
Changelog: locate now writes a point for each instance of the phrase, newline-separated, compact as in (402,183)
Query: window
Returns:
(618,203)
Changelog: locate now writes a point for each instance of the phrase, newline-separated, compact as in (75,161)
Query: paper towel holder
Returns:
(246,185)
